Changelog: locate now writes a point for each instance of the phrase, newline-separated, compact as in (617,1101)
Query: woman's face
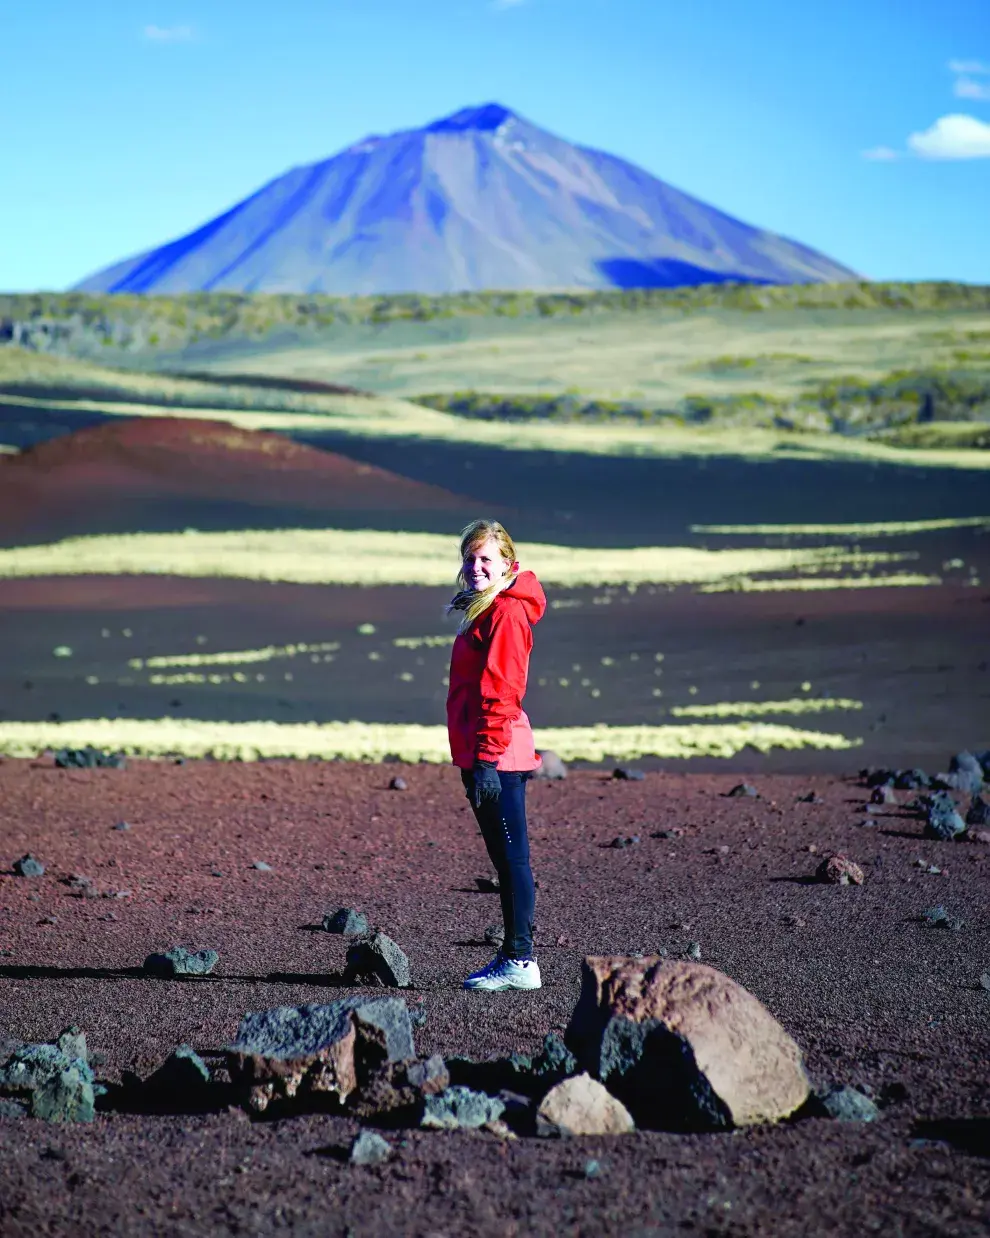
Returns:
(484,565)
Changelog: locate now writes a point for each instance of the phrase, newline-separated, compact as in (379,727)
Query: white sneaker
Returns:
(503,973)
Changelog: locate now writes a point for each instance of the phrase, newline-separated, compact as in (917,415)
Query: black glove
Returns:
(487,785)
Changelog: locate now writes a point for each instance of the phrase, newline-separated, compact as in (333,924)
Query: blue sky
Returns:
(860,127)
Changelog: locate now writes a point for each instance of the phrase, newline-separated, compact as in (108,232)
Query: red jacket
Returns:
(488,668)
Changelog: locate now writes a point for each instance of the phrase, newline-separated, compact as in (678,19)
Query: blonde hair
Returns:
(474,602)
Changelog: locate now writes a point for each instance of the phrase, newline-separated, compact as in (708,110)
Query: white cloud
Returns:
(881,154)
(970,88)
(968,66)
(953,137)
(168,34)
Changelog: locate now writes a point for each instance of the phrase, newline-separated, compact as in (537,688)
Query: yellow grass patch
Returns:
(876,528)
(373,741)
(234,657)
(896,580)
(363,557)
(758,709)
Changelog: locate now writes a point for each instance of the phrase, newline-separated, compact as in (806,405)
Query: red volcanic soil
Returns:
(119,469)
(875,997)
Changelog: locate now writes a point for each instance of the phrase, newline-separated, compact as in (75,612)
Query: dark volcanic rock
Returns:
(839,870)
(182,1071)
(939,917)
(28,866)
(978,812)
(743,790)
(54,1080)
(398,783)
(943,821)
(495,935)
(626,773)
(377,960)
(346,920)
(181,962)
(683,1046)
(89,758)
(847,1105)
(398,1090)
(370,1149)
(318,1048)
(65,1097)
(459,1108)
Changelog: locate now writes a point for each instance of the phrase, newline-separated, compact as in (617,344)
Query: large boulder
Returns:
(683,1046)
(582,1106)
(54,1081)
(377,959)
(318,1049)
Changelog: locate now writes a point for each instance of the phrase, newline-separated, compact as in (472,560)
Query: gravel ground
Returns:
(875,997)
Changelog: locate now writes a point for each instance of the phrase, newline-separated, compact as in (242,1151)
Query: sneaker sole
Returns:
(500,986)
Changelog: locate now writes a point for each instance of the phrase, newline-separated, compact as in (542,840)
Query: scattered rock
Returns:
(182,1071)
(938,917)
(487,885)
(624,772)
(80,886)
(812,797)
(398,783)
(978,836)
(964,780)
(883,794)
(418,1015)
(399,1089)
(985,980)
(683,1046)
(319,1049)
(346,920)
(582,1106)
(460,1108)
(743,789)
(694,950)
(370,1149)
(54,1081)
(89,758)
(911,779)
(261,866)
(552,767)
(846,1105)
(122,825)
(12,1108)
(592,1170)
(428,1076)
(943,821)
(839,870)
(376,959)
(181,962)
(978,812)
(28,866)
(631,840)
(495,935)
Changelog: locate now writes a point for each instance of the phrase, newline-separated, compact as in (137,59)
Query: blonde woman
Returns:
(490,737)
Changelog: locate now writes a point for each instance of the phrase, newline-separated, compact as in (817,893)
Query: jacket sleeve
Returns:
(503,679)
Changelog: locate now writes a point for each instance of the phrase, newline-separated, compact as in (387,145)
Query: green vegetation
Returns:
(72,321)
(848,405)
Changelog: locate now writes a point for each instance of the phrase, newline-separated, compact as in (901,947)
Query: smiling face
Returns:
(484,566)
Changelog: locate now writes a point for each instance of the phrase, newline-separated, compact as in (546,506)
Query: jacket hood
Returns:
(528,590)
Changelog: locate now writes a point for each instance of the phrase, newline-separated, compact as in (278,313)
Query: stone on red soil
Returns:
(943,821)
(89,758)
(494,935)
(839,870)
(346,920)
(552,767)
(883,794)
(317,1048)
(54,1080)
(459,1108)
(181,962)
(938,917)
(398,783)
(846,1105)
(743,790)
(683,1046)
(626,774)
(399,1089)
(378,960)
(28,866)
(370,1149)
(182,1071)
(582,1106)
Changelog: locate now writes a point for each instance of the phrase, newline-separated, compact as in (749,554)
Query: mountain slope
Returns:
(480,199)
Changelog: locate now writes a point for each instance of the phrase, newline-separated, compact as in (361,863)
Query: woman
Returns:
(490,737)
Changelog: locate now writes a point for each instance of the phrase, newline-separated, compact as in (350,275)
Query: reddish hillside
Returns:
(103,476)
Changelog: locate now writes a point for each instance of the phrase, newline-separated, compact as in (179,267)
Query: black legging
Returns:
(503,827)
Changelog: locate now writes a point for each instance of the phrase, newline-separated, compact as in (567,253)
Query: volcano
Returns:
(482,199)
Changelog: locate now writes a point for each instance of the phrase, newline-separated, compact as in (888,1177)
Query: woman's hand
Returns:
(487,785)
